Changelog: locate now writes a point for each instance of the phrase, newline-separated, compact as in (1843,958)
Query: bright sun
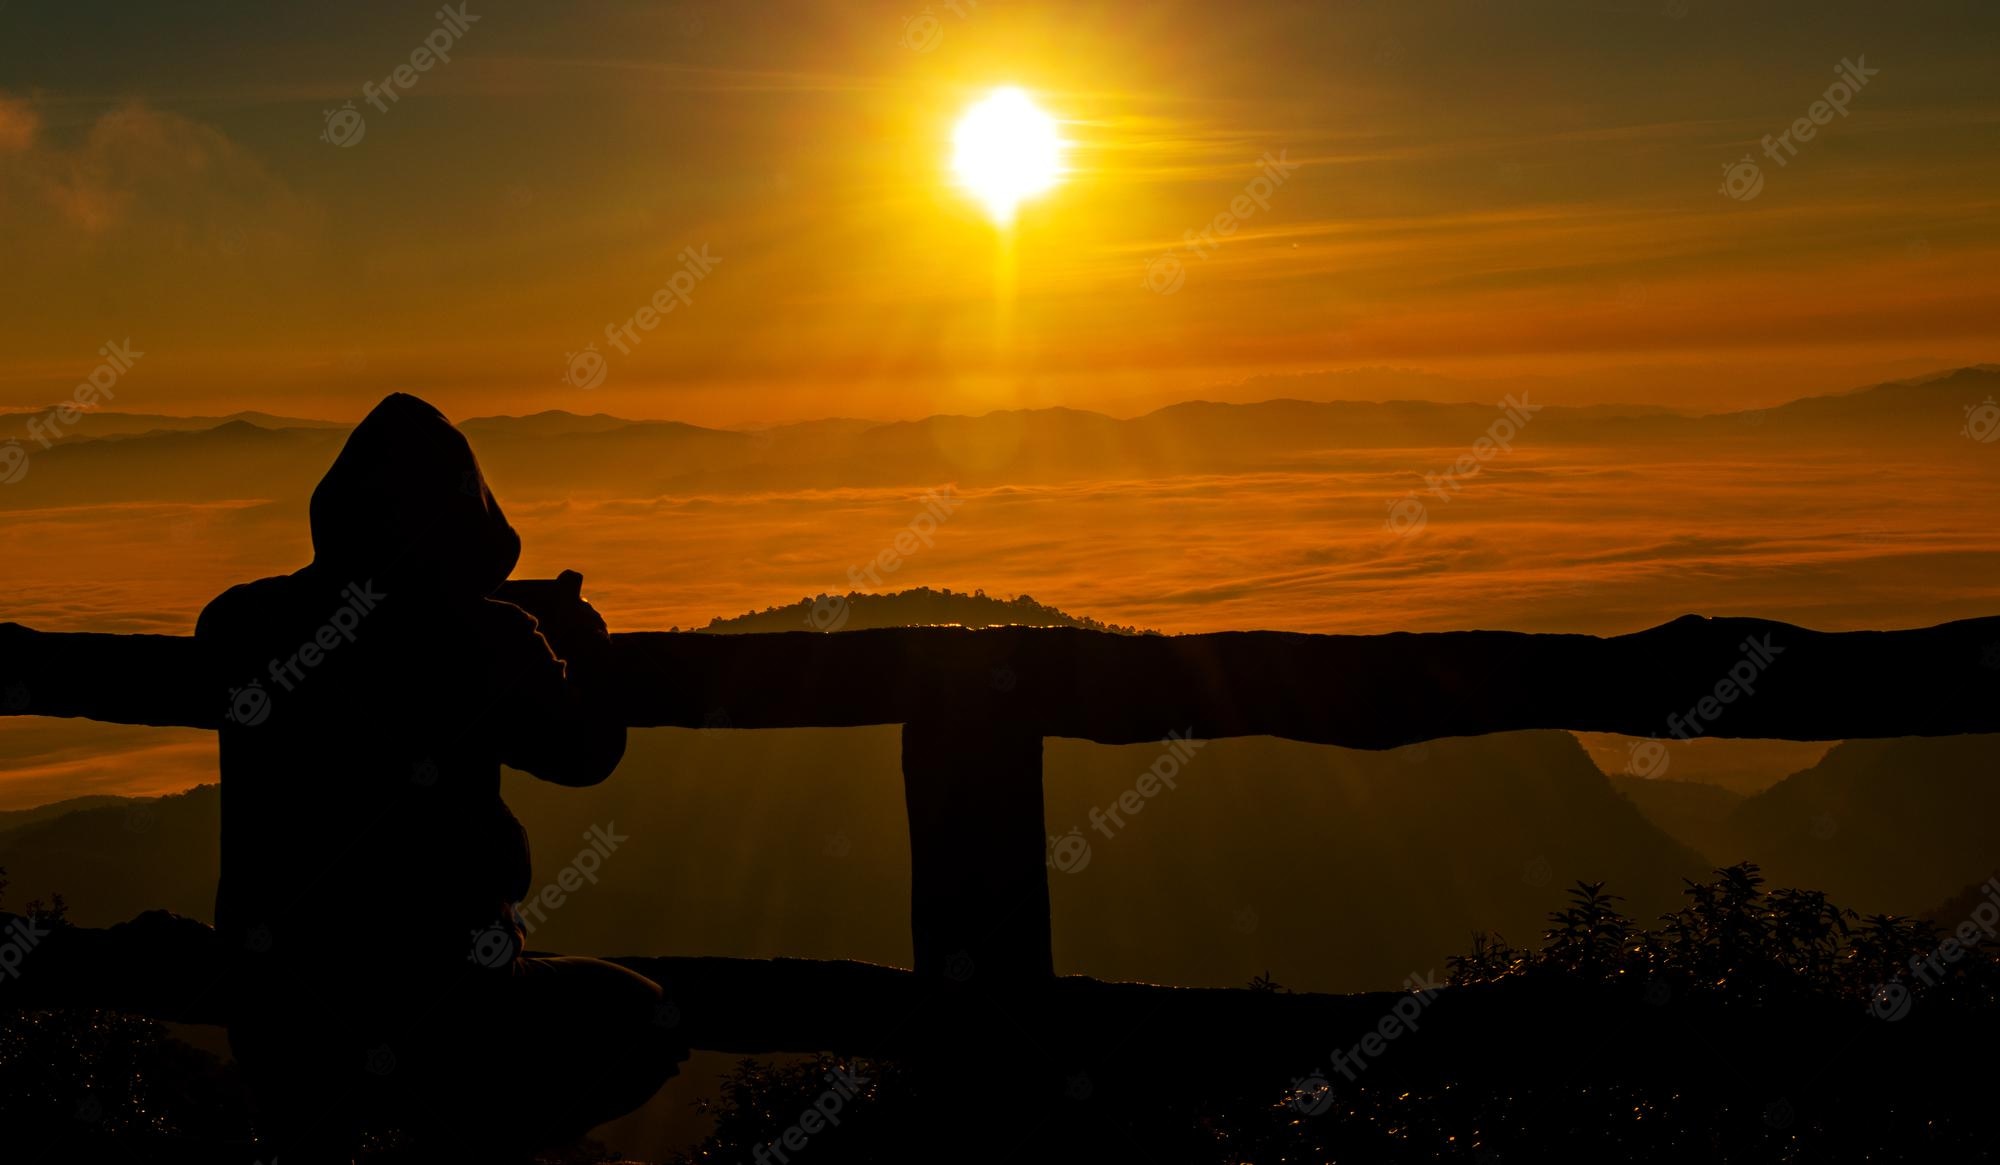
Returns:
(1006,149)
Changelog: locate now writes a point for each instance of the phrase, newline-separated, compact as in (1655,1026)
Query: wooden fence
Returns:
(975,706)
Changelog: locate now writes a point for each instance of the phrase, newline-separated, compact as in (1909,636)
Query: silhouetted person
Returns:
(369,866)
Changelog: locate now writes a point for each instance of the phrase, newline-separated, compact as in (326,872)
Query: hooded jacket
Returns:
(371,698)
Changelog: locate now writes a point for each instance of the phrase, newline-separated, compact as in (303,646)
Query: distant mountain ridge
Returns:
(97,425)
(557,453)
(1882,825)
(917,607)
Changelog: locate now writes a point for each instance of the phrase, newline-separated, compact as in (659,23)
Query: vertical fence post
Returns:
(979,882)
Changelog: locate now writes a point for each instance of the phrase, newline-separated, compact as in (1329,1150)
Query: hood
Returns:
(405,505)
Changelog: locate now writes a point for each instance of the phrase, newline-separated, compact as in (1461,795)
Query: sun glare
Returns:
(1006,149)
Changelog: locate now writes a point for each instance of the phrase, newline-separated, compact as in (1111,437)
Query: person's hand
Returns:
(567,620)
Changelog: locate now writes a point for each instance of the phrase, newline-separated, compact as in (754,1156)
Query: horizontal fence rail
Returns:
(1358,691)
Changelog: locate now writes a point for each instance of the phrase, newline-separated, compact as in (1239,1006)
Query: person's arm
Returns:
(545,717)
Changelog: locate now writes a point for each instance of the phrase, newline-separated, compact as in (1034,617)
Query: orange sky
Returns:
(1483,189)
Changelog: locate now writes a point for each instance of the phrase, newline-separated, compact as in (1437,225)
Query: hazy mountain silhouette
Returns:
(101,425)
(1902,408)
(115,456)
(117,859)
(1960,906)
(548,423)
(1884,825)
(232,460)
(1268,856)
(1692,812)
(15,818)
